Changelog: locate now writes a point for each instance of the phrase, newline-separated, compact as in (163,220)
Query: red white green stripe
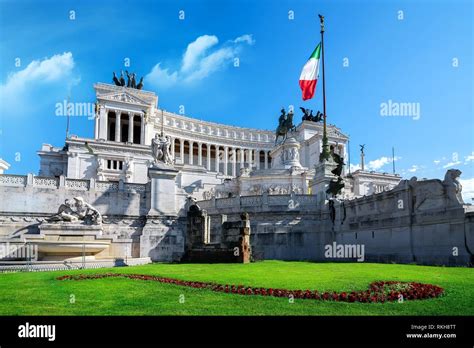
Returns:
(310,73)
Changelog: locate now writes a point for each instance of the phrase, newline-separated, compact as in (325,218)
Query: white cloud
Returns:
(436,162)
(380,162)
(245,38)
(162,75)
(213,62)
(196,50)
(469,158)
(203,57)
(467,190)
(451,164)
(414,168)
(375,164)
(29,83)
(46,70)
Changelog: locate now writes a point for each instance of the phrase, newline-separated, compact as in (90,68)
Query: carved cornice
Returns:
(146,97)
(78,144)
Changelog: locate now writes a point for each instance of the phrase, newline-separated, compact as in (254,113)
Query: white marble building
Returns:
(205,153)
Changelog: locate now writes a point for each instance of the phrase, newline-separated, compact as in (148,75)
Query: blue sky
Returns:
(421,55)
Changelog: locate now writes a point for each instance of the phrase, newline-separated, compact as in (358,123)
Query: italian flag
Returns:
(310,73)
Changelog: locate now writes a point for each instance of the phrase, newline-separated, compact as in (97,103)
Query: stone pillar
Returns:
(217,159)
(118,115)
(142,130)
(234,162)
(250,158)
(266,159)
(191,150)
(130,127)
(226,160)
(200,154)
(96,127)
(163,191)
(103,123)
(172,147)
(181,149)
(208,164)
(242,158)
(257,158)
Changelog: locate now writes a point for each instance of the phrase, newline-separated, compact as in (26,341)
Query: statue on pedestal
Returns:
(285,125)
(161,149)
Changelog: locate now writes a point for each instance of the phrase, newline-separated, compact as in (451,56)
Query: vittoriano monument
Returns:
(131,80)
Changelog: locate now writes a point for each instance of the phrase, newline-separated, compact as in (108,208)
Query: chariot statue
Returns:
(308,115)
(131,80)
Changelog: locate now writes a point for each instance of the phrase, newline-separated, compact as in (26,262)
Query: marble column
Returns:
(181,150)
(226,160)
(172,147)
(200,154)
(130,127)
(242,158)
(250,159)
(217,159)
(191,150)
(118,116)
(257,158)
(234,162)
(142,130)
(208,153)
(96,126)
(103,123)
(266,159)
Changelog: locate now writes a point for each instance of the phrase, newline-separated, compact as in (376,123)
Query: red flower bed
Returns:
(380,291)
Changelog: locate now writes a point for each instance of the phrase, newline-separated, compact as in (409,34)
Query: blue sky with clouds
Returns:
(374,54)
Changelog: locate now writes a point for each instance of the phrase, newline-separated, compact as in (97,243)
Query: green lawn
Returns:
(39,293)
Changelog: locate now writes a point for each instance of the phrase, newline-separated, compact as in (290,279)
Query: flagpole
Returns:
(325,150)
(393,159)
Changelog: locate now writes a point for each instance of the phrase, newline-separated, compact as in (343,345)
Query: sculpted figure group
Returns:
(131,80)
(76,210)
(161,149)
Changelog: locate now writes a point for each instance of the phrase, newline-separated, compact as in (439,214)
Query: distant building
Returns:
(4,165)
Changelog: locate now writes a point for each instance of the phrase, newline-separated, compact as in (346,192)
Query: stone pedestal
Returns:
(286,155)
(163,190)
(68,241)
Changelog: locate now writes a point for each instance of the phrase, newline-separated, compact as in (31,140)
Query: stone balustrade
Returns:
(31,180)
(263,202)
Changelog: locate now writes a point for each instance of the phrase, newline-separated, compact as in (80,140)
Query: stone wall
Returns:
(26,201)
(416,222)
(285,227)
